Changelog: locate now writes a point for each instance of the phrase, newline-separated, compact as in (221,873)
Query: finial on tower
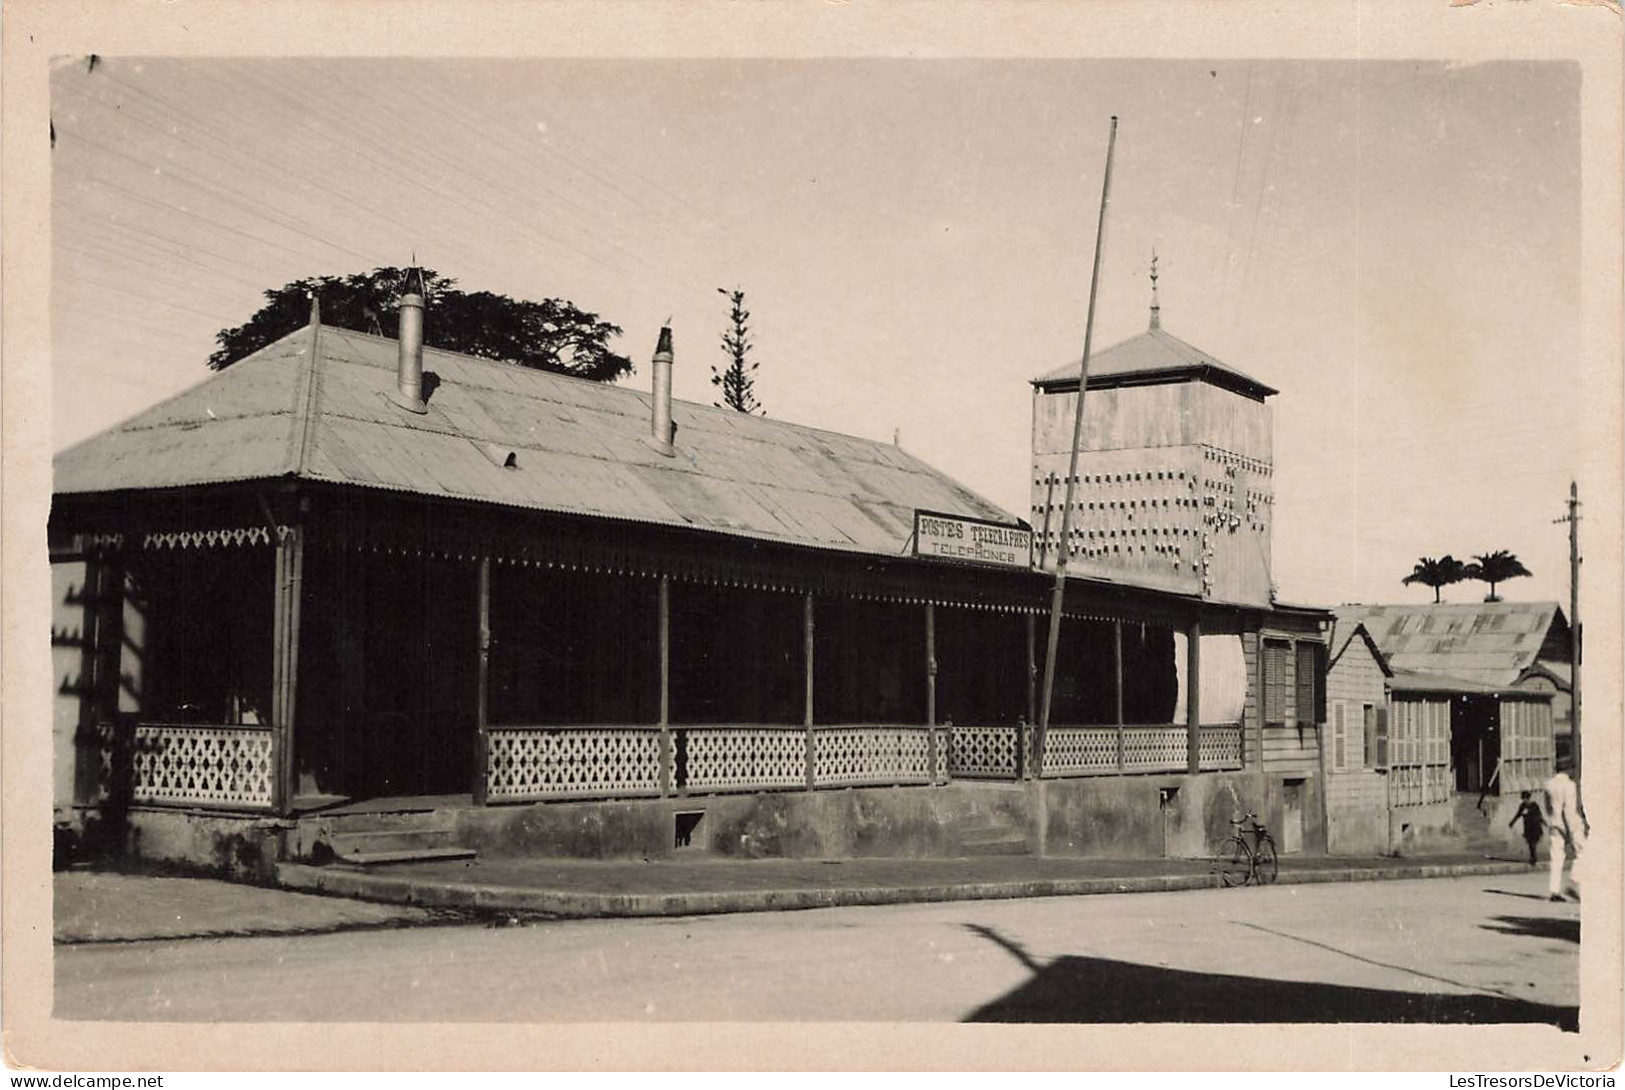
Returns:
(1156,309)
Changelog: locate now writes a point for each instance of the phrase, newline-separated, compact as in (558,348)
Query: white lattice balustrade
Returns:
(220,766)
(983,751)
(745,757)
(844,756)
(538,763)
(1078,751)
(1220,747)
(1153,749)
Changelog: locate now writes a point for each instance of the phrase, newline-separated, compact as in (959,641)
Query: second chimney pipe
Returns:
(660,426)
(408,393)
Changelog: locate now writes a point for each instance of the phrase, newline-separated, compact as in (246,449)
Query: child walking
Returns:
(1534,823)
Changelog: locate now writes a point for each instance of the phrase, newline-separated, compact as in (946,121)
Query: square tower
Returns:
(1175,484)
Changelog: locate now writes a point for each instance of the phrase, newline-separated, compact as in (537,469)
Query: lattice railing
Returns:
(1220,747)
(743,758)
(1080,751)
(849,755)
(983,752)
(229,767)
(571,762)
(1153,749)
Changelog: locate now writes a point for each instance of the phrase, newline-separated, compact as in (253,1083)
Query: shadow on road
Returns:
(1094,990)
(1538,927)
(1525,896)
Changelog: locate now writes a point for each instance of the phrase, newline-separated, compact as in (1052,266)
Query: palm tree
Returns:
(1493,568)
(1436,573)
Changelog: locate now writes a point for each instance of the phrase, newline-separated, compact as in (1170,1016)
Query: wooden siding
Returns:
(1354,681)
(1290,746)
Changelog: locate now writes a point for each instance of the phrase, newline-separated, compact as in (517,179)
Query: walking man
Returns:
(1534,823)
(1568,823)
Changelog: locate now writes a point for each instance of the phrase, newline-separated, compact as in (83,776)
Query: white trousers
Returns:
(1559,854)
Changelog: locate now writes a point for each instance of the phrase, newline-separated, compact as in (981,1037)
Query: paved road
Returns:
(1446,950)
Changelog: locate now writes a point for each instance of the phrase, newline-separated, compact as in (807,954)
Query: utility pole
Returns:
(1064,549)
(1573,519)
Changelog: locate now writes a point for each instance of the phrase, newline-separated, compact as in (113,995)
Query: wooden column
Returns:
(668,770)
(931,687)
(483,676)
(1117,691)
(289,570)
(807,633)
(1193,696)
(1022,771)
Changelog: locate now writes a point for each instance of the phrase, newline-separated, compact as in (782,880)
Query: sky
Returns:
(1393,245)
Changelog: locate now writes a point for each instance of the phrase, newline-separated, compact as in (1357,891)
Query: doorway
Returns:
(388,685)
(1475,743)
(1292,792)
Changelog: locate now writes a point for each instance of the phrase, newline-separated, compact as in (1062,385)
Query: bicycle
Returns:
(1239,864)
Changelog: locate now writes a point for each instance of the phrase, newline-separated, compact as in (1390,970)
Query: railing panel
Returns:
(1154,749)
(527,763)
(226,767)
(737,758)
(1220,747)
(846,756)
(1080,751)
(983,752)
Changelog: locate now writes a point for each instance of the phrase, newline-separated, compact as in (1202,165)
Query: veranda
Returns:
(260,651)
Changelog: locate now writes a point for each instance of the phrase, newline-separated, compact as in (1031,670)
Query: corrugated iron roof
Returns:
(580,447)
(1490,643)
(1155,355)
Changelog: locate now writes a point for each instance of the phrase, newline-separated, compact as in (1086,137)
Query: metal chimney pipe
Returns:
(408,392)
(660,425)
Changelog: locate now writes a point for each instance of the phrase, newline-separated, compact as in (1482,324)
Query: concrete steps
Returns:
(378,846)
(377,839)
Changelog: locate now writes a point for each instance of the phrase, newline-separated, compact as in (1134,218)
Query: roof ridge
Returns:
(306,410)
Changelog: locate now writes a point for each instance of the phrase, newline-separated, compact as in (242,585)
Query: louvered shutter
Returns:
(1274,682)
(1339,738)
(1310,707)
(1382,738)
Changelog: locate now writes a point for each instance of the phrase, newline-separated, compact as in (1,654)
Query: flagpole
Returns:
(1064,547)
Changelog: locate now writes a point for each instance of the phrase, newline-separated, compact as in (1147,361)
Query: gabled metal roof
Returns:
(1154,356)
(578,447)
(1490,643)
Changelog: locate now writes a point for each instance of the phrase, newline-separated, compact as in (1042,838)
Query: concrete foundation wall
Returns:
(853,823)
(1415,829)
(1358,810)
(237,846)
(1136,817)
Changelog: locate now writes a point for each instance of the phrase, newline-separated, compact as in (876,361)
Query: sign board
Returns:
(975,541)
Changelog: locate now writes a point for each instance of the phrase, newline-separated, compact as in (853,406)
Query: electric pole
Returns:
(1573,519)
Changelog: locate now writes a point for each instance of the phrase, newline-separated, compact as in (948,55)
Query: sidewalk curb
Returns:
(583,905)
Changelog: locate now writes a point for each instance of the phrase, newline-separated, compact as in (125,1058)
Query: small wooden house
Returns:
(1451,752)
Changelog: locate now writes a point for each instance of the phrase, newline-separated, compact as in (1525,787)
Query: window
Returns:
(1311,679)
(1275,681)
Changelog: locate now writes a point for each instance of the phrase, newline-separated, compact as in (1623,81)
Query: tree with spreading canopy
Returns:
(737,380)
(551,335)
(1496,567)
(1436,573)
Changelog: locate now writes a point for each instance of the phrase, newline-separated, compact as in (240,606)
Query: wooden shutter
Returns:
(1309,708)
(1382,737)
(1339,738)
(1275,682)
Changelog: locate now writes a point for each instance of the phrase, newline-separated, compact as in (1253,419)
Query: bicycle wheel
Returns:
(1235,862)
(1264,864)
